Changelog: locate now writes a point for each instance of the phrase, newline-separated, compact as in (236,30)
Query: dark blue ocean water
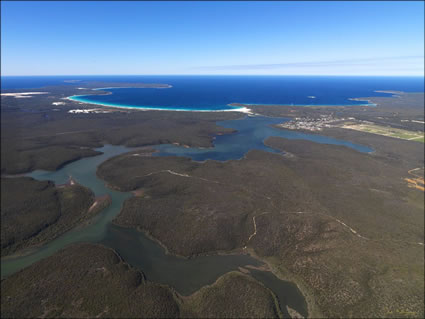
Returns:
(216,92)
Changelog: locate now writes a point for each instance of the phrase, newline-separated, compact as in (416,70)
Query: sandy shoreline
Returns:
(21,95)
(149,108)
(238,107)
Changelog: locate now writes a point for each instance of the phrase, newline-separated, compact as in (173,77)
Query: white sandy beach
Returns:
(241,109)
(22,94)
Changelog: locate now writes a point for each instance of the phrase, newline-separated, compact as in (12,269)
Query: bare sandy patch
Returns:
(22,95)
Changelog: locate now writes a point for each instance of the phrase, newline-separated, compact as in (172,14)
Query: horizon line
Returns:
(364,75)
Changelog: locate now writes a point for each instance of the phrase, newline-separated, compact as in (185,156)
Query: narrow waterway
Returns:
(185,275)
(251,133)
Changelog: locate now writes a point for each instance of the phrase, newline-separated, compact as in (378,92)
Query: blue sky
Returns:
(297,38)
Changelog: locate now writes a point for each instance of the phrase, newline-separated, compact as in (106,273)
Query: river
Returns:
(185,275)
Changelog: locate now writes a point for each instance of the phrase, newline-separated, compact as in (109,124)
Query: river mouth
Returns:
(185,275)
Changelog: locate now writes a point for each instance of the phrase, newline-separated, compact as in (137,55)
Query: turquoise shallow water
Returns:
(99,100)
(178,99)
(198,93)
(202,93)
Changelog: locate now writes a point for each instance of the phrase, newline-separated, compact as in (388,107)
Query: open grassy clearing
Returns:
(386,131)
(419,139)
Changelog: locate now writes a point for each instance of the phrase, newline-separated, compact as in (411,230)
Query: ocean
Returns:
(198,93)
(216,92)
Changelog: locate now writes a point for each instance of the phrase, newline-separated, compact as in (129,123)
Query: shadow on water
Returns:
(286,292)
(185,275)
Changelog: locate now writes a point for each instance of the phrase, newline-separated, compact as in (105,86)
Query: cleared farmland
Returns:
(385,130)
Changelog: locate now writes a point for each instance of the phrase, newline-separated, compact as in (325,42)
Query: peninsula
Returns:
(269,203)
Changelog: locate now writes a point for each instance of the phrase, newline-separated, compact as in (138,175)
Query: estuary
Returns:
(185,275)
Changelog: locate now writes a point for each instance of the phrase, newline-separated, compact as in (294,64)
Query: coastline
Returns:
(74,98)
(311,105)
(236,107)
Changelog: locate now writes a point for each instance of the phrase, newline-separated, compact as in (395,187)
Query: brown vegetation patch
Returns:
(418,180)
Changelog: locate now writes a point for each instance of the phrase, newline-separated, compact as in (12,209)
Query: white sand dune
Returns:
(22,95)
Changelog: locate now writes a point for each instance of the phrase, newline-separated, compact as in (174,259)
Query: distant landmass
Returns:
(304,207)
